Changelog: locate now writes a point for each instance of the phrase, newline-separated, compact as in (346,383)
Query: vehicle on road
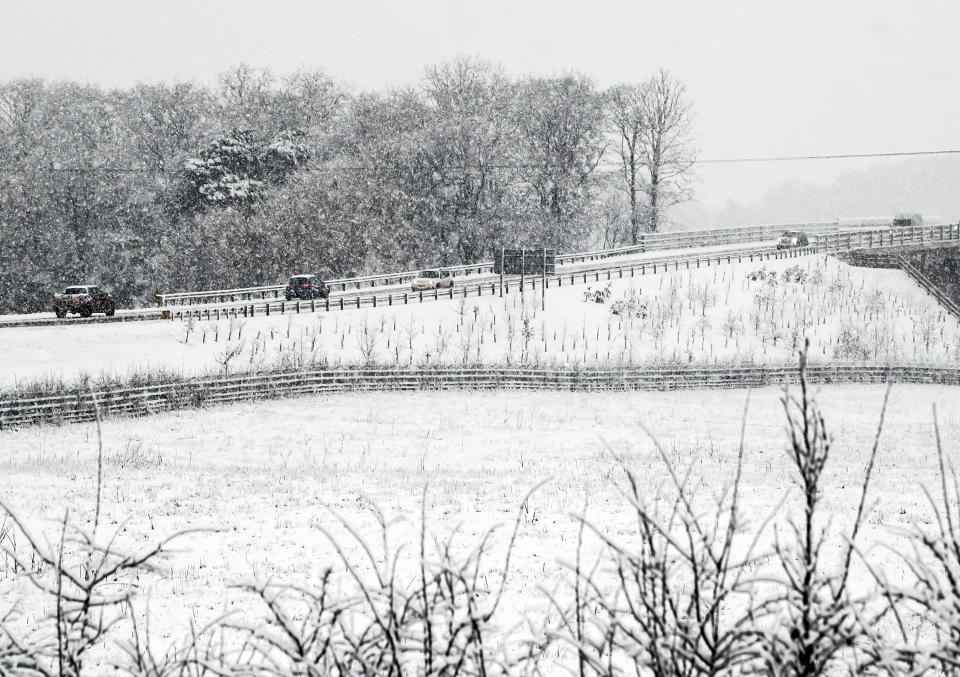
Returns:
(432,279)
(306,287)
(907,220)
(792,238)
(83,300)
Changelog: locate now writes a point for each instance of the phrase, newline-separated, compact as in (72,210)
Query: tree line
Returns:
(180,186)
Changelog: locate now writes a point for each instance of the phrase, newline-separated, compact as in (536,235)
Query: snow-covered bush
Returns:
(631,305)
(592,295)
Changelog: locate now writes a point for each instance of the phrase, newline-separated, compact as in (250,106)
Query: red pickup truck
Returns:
(84,301)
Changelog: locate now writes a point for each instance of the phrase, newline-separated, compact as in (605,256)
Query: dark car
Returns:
(907,220)
(306,287)
(83,300)
(792,238)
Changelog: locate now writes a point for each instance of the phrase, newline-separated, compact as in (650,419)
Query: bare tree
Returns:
(666,144)
(651,122)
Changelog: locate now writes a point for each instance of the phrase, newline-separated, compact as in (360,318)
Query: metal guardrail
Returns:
(839,241)
(650,242)
(343,284)
(906,236)
(597,272)
(78,406)
(832,242)
(929,286)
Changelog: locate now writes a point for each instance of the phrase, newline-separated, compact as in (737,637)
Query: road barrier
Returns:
(929,286)
(829,242)
(83,405)
(598,272)
(598,264)
(649,242)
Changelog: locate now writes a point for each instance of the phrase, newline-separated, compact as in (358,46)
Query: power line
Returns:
(604,168)
(844,156)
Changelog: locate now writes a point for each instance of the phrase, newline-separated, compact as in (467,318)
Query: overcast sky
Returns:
(767,79)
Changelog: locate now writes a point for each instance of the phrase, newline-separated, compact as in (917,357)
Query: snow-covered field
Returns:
(710,315)
(266,477)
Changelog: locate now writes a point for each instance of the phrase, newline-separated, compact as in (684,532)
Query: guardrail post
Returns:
(298,306)
(421,296)
(374,300)
(341,302)
(327,300)
(313,306)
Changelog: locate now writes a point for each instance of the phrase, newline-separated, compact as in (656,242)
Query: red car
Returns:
(84,301)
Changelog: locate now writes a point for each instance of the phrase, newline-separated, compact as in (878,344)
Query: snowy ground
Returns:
(710,315)
(266,475)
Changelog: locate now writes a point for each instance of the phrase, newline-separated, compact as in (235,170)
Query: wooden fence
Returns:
(81,405)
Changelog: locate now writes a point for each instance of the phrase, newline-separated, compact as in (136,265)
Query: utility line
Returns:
(844,156)
(495,166)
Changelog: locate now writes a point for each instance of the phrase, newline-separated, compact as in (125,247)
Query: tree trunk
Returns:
(654,203)
(634,215)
